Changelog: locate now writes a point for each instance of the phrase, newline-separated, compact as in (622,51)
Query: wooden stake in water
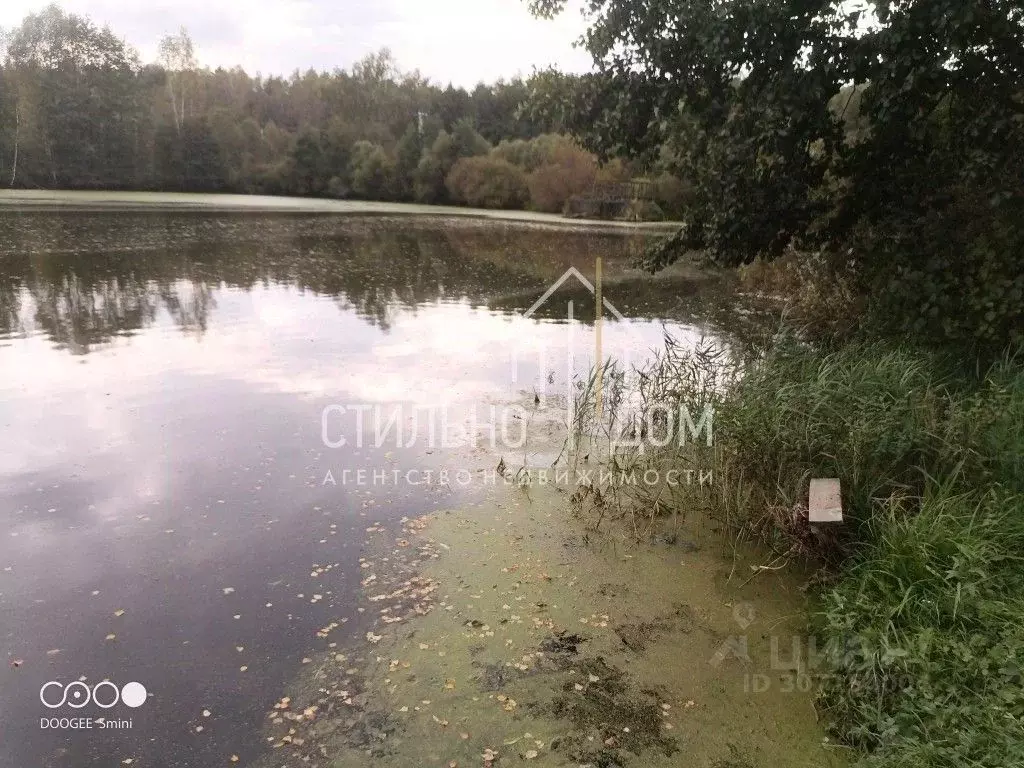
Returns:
(598,357)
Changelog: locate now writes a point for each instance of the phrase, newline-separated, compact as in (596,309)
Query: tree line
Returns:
(79,110)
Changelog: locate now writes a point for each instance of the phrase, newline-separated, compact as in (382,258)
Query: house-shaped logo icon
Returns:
(572,345)
(572,272)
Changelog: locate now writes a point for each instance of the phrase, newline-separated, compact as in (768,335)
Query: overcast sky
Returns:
(462,41)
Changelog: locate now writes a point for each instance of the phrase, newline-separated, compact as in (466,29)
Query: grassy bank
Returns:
(919,606)
(923,608)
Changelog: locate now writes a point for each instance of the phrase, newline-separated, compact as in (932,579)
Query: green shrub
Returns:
(487,182)
(337,187)
(466,142)
(673,194)
(531,154)
(372,172)
(951,274)
(518,152)
(428,178)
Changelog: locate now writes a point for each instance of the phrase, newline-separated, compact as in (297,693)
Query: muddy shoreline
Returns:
(509,633)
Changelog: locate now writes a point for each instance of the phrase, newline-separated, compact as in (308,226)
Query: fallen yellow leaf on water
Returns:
(119,612)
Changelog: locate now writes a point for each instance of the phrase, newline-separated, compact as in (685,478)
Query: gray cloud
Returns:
(459,40)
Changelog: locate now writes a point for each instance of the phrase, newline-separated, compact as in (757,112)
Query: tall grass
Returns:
(641,409)
(936,607)
(925,618)
(923,610)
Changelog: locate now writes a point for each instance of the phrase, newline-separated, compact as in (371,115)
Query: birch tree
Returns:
(177,54)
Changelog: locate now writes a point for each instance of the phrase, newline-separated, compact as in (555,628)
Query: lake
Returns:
(174,387)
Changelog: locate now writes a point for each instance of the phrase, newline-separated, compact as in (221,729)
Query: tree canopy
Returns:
(889,133)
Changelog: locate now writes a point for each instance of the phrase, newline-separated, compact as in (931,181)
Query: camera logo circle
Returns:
(104,694)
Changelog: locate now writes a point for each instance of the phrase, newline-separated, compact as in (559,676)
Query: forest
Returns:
(79,110)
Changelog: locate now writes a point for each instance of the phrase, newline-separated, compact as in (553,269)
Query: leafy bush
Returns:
(336,187)
(518,152)
(558,168)
(673,194)
(802,131)
(428,178)
(960,262)
(466,142)
(487,182)
(407,156)
(566,170)
(614,170)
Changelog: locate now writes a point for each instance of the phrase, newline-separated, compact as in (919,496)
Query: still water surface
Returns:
(163,379)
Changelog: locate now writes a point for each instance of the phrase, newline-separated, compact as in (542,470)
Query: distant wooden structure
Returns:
(614,200)
(634,189)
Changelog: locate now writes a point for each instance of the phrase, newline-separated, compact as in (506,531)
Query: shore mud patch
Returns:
(494,645)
